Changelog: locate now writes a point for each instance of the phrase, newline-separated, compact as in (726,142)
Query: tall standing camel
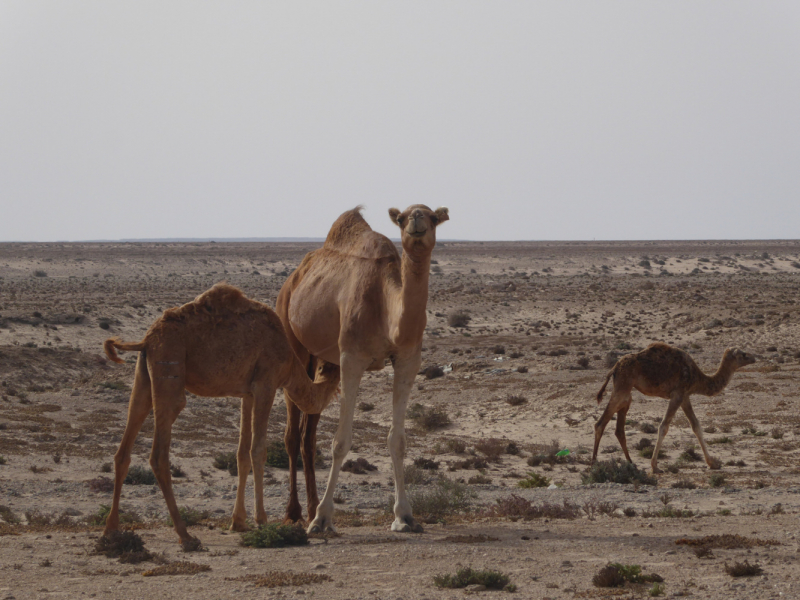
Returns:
(354,303)
(221,344)
(666,372)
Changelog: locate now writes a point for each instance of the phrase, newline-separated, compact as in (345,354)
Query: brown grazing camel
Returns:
(355,303)
(666,372)
(221,344)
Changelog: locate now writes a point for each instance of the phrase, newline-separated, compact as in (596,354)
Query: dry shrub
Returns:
(491,448)
(127,546)
(366,406)
(727,541)
(140,475)
(517,507)
(428,418)
(36,518)
(272,579)
(743,569)
(515,400)
(492,580)
(126,516)
(546,453)
(413,475)
(275,536)
(533,480)
(359,466)
(447,497)
(690,455)
(433,372)
(8,515)
(182,567)
(426,463)
(616,471)
(498,350)
(684,484)
(643,443)
(226,461)
(101,484)
(703,552)
(458,318)
(616,574)
(456,446)
(473,462)
(648,428)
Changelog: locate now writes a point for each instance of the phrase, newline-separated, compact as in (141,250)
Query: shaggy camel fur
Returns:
(355,303)
(666,372)
(221,344)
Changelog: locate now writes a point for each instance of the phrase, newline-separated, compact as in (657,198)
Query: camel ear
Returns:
(442,215)
(394,215)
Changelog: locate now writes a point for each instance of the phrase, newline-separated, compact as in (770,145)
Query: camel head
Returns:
(418,225)
(738,358)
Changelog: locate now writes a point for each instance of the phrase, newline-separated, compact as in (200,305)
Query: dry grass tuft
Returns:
(182,567)
(272,579)
(359,466)
(728,541)
(517,507)
(127,546)
(743,569)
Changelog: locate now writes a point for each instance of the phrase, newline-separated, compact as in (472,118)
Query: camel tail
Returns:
(605,383)
(111,345)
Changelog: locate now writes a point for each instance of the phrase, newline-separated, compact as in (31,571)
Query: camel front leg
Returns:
(353,368)
(138,408)
(243,463)
(713,463)
(405,371)
(674,402)
(264,396)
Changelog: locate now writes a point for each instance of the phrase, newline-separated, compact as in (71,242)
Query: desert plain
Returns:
(520,337)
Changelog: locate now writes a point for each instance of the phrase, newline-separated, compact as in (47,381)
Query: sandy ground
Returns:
(560,310)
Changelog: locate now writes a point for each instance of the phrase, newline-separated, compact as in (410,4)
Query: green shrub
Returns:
(493,580)
(275,536)
(126,516)
(533,480)
(447,497)
(140,475)
(616,574)
(226,461)
(716,480)
(616,471)
(190,516)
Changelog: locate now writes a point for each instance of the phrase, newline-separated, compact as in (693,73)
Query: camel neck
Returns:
(409,318)
(714,384)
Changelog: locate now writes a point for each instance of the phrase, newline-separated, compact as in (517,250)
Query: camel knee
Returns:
(397,444)
(341,447)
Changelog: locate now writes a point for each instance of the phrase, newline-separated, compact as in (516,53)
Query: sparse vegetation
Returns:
(275,536)
(359,466)
(140,475)
(616,574)
(533,480)
(516,507)
(616,471)
(492,580)
(226,461)
(515,400)
(126,546)
(445,498)
(743,569)
(458,318)
(190,516)
(716,480)
(428,418)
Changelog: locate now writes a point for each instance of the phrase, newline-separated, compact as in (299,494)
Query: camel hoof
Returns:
(192,544)
(321,526)
(407,525)
(239,526)
(657,471)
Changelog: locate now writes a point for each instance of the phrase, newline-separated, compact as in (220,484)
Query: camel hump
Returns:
(351,234)
(221,299)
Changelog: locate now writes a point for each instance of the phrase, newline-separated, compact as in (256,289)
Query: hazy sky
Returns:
(529,120)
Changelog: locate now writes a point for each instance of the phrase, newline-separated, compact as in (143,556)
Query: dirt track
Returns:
(557,309)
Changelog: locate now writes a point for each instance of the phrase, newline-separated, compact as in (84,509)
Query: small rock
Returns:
(320,566)
(475,587)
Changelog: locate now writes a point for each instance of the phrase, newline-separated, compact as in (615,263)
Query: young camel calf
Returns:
(221,344)
(666,372)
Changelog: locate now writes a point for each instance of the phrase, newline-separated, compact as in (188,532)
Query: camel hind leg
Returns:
(138,408)
(264,395)
(620,430)
(243,463)
(308,429)
(713,463)
(675,401)
(620,400)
